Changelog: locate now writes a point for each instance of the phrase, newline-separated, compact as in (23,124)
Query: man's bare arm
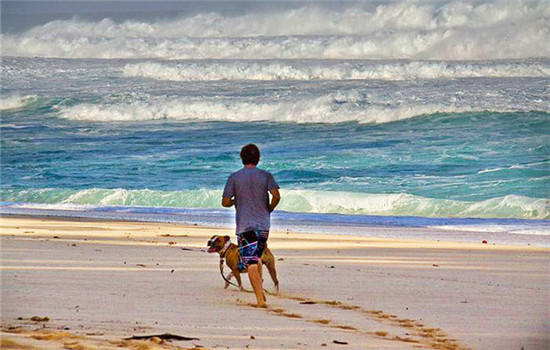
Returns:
(227,202)
(275,198)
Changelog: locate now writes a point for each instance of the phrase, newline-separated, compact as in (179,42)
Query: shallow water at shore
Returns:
(496,231)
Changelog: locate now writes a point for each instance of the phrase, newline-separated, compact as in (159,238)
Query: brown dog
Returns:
(223,246)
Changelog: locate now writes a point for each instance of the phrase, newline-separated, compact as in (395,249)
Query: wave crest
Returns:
(8,102)
(265,71)
(450,31)
(333,108)
(510,206)
(305,201)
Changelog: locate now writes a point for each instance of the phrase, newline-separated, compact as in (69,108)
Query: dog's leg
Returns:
(228,278)
(273,273)
(239,282)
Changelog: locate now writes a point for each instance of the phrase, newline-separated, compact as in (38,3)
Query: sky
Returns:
(21,15)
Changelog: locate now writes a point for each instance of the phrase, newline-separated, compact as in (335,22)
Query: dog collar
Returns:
(227,244)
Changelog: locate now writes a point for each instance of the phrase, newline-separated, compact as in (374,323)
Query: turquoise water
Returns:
(355,122)
(481,164)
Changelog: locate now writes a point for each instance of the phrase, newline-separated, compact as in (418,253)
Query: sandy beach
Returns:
(398,151)
(92,284)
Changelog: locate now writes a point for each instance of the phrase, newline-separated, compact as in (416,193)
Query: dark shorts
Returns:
(251,247)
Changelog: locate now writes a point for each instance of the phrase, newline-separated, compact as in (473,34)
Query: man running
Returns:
(248,190)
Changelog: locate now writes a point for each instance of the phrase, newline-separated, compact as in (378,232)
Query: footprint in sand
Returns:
(417,333)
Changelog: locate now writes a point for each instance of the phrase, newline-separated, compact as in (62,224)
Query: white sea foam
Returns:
(511,167)
(489,170)
(405,204)
(8,102)
(304,201)
(454,30)
(532,230)
(284,70)
(333,108)
(55,206)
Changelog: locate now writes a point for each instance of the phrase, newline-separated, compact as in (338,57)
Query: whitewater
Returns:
(417,114)
(453,30)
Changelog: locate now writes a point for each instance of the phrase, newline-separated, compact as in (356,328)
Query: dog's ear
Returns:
(227,238)
(211,240)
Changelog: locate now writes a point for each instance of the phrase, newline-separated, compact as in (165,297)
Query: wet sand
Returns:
(95,283)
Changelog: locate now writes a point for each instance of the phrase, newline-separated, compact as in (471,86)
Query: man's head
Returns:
(250,154)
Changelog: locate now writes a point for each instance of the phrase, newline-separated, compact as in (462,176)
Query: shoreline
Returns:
(102,281)
(425,243)
(515,232)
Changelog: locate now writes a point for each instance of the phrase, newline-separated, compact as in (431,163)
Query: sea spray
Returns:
(452,30)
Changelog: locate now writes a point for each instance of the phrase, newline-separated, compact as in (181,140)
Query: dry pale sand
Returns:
(99,282)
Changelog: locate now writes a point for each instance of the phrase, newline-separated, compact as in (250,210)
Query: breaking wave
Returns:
(258,70)
(340,106)
(453,30)
(305,201)
(8,102)
(326,109)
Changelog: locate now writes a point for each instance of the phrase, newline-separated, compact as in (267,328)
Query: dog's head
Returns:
(217,243)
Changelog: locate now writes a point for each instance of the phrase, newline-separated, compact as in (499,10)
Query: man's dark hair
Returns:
(250,154)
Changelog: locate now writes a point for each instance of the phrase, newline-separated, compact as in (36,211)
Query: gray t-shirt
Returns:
(250,188)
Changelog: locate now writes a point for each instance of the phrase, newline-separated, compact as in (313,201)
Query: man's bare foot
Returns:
(263,305)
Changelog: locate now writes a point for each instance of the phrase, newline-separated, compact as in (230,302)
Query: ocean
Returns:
(371,115)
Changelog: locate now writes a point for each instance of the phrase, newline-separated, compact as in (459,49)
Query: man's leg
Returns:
(262,244)
(256,282)
(251,246)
